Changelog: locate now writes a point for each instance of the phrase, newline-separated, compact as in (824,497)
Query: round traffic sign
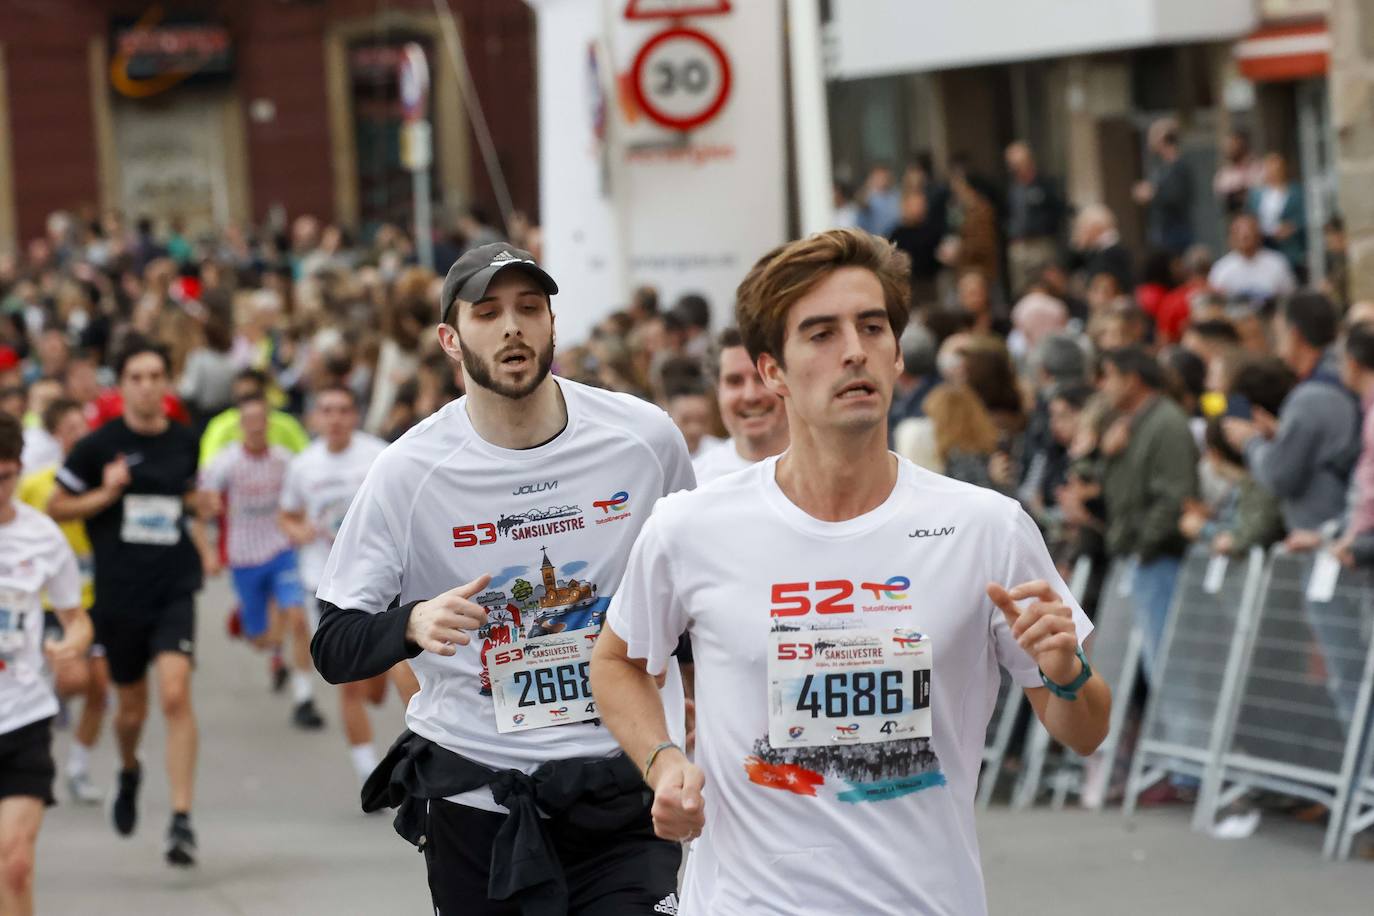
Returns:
(681,78)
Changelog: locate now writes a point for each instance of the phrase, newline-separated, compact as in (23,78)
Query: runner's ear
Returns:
(448,340)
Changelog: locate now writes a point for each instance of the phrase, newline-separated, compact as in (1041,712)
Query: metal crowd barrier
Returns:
(1297,721)
(1009,702)
(1359,816)
(1000,726)
(1198,669)
(1265,682)
(1116,645)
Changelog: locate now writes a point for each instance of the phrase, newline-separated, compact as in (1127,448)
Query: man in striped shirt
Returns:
(249,476)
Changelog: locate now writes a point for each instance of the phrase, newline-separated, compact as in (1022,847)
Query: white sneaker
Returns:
(83,791)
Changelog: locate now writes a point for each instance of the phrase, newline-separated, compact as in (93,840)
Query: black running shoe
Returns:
(306,716)
(181,842)
(124,809)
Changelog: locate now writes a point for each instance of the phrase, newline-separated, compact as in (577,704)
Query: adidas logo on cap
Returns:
(668,905)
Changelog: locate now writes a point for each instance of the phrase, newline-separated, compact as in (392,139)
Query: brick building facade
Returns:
(302,119)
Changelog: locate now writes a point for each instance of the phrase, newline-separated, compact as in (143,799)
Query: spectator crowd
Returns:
(1136,402)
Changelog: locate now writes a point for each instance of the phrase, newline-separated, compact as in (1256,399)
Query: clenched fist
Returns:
(439,625)
(679,812)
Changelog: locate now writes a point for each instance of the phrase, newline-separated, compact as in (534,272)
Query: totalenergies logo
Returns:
(560,711)
(616,503)
(893,589)
(847,731)
(908,639)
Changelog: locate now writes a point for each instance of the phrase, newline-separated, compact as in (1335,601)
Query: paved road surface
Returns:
(280,834)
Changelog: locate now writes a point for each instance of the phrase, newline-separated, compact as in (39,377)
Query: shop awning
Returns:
(1285,52)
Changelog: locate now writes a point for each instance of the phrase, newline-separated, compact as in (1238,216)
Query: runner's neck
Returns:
(520,423)
(146,426)
(839,476)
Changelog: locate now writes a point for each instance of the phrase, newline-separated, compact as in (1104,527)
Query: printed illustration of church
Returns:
(559,596)
(569,606)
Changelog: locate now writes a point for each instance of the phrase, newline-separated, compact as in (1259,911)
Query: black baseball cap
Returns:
(470,275)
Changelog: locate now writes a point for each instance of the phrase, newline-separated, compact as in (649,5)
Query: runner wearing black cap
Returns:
(485,545)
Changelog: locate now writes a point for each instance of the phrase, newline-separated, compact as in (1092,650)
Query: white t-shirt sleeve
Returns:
(215,475)
(667,442)
(1029,560)
(645,611)
(363,571)
(1216,277)
(64,583)
(678,473)
(292,490)
(1287,283)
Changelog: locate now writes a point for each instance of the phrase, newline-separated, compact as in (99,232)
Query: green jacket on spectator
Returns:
(1145,485)
(1258,521)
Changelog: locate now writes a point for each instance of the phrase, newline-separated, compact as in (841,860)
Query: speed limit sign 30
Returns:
(681,78)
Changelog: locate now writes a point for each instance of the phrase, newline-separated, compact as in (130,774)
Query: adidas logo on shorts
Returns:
(668,905)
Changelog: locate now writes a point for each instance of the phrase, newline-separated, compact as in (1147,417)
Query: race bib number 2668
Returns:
(861,686)
(543,681)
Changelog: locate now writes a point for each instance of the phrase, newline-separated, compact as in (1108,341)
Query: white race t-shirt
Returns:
(1264,276)
(704,445)
(40,450)
(252,485)
(873,828)
(718,461)
(321,484)
(34,557)
(553,525)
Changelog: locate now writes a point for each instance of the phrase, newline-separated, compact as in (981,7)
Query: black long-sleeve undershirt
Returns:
(351,645)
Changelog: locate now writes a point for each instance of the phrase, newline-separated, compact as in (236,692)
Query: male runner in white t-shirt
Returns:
(320,484)
(249,476)
(848,615)
(35,558)
(752,414)
(499,528)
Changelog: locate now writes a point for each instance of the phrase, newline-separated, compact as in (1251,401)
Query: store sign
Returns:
(1287,52)
(154,54)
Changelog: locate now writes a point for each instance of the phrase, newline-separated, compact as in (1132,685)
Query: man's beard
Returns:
(479,370)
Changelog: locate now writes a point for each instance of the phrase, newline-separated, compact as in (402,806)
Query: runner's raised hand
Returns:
(1045,628)
(439,625)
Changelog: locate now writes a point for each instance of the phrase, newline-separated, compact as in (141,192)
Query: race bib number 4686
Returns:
(829,687)
(543,681)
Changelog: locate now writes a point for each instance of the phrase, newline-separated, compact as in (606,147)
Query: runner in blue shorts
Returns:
(246,479)
(258,586)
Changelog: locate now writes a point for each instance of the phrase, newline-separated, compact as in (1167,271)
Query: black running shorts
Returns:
(26,766)
(132,638)
(627,872)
